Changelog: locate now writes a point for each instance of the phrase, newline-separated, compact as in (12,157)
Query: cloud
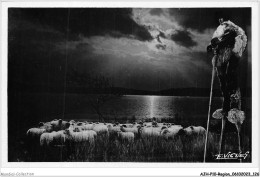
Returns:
(160,46)
(183,38)
(160,22)
(160,25)
(162,34)
(203,18)
(202,39)
(156,11)
(95,21)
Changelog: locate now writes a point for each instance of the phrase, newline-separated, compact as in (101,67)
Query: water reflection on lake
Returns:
(143,106)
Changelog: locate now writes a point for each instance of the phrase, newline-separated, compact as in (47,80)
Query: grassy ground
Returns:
(144,149)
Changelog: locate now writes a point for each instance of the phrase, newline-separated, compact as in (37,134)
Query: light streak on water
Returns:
(152,101)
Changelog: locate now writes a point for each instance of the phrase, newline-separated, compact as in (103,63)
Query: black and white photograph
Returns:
(129,84)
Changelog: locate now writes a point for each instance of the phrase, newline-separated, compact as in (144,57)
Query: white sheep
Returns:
(72,121)
(135,125)
(173,127)
(35,132)
(89,126)
(113,129)
(148,124)
(53,138)
(171,132)
(199,130)
(130,125)
(161,124)
(133,130)
(100,129)
(102,123)
(194,130)
(80,123)
(46,139)
(58,124)
(170,124)
(80,137)
(149,131)
(59,137)
(157,128)
(47,126)
(78,129)
(75,127)
(126,136)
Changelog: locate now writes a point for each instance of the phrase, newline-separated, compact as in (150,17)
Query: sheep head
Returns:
(79,123)
(181,132)
(77,129)
(68,131)
(164,127)
(67,125)
(72,121)
(164,131)
(141,123)
(220,21)
(109,126)
(140,129)
(154,122)
(122,128)
(41,124)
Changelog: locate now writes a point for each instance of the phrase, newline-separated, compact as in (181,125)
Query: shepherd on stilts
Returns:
(228,44)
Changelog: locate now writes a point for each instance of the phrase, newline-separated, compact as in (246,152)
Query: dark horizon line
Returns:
(185,91)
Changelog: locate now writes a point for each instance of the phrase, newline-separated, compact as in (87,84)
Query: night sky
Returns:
(147,49)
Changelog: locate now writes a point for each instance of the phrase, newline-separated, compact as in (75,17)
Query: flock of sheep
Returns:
(58,132)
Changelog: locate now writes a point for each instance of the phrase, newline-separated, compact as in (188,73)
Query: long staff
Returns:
(210,99)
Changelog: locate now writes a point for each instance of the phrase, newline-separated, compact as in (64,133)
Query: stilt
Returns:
(222,135)
(238,126)
(209,110)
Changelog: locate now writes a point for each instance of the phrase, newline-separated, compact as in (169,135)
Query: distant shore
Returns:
(191,91)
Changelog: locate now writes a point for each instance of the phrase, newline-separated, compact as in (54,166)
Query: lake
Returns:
(177,108)
(32,108)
